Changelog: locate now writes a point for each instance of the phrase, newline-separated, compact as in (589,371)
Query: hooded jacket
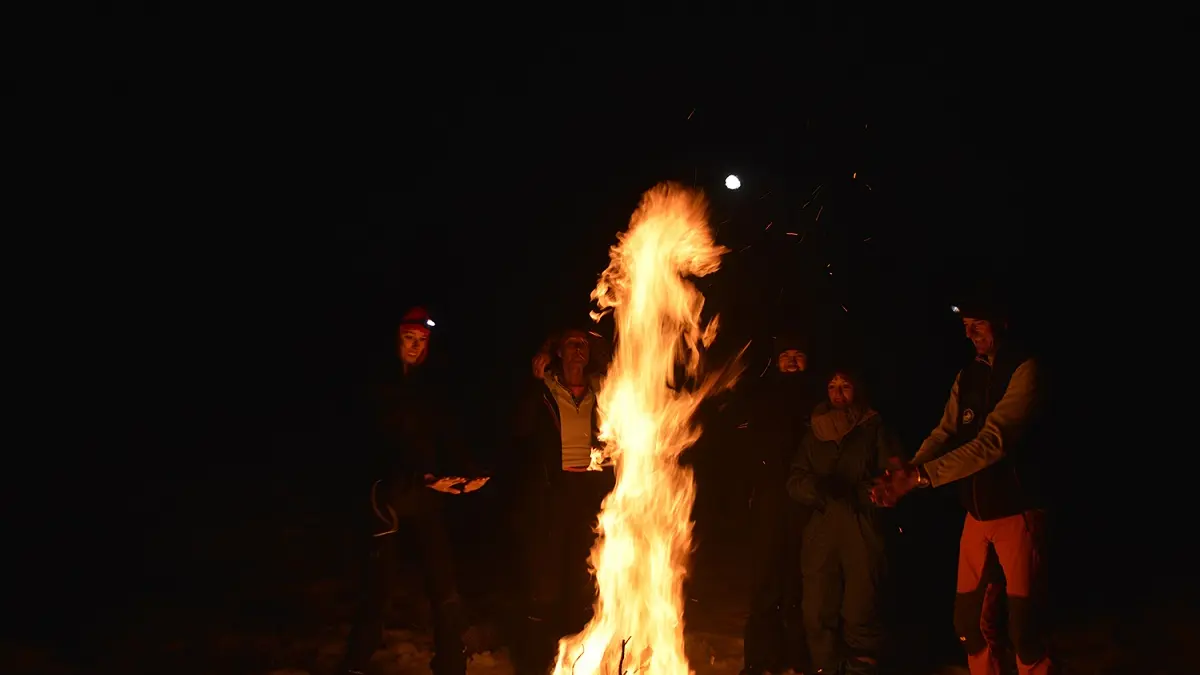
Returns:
(842,453)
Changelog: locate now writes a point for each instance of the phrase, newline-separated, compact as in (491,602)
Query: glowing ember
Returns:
(645,528)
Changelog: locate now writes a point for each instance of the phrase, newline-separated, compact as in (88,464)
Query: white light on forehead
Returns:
(955,309)
(732,182)
(430,323)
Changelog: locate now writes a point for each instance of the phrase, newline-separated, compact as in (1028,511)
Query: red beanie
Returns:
(416,319)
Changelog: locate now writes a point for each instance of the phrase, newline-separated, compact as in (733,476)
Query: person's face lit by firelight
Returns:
(413,343)
(575,351)
(841,391)
(981,334)
(792,361)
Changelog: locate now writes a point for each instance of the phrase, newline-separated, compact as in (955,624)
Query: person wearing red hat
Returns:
(988,444)
(412,337)
(417,455)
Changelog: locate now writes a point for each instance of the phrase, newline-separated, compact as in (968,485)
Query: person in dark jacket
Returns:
(988,443)
(842,554)
(562,480)
(416,454)
(776,420)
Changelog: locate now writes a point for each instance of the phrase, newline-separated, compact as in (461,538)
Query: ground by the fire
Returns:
(271,597)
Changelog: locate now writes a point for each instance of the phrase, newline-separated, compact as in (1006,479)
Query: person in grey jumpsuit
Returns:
(842,558)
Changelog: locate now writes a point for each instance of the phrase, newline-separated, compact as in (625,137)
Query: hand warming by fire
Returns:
(645,527)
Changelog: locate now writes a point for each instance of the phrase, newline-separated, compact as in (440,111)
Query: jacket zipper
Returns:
(987,402)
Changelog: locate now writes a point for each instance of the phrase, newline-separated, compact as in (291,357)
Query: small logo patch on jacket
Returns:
(968,416)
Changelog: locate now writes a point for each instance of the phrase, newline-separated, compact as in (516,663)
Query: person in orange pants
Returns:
(987,443)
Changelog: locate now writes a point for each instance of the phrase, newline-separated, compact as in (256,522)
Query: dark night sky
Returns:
(492,195)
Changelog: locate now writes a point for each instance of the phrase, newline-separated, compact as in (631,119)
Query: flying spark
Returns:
(818,218)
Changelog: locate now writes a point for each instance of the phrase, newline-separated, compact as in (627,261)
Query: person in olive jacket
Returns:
(842,554)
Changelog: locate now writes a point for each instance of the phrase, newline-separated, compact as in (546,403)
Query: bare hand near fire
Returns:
(898,480)
(475,483)
(451,485)
(540,363)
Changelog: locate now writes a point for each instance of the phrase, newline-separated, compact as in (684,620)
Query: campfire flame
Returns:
(640,558)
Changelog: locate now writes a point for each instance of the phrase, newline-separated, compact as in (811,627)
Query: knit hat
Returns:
(785,340)
(417,319)
(982,304)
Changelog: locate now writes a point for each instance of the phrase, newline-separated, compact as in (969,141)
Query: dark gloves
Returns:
(834,487)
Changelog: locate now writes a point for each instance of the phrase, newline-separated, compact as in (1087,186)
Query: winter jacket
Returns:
(839,458)
(415,431)
(537,451)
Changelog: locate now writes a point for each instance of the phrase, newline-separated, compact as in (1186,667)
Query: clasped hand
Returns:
(897,480)
(454,485)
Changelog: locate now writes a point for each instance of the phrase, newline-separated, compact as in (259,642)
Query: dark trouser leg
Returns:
(764,626)
(1019,547)
(540,533)
(560,532)
(993,613)
(864,568)
(437,563)
(366,635)
(822,601)
(795,644)
(582,499)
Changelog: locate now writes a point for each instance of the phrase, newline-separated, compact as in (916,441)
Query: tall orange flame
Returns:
(640,557)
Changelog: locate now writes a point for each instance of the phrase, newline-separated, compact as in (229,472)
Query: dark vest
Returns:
(1009,486)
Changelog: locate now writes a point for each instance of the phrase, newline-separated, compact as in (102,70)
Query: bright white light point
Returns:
(955,309)
(732,182)
(430,323)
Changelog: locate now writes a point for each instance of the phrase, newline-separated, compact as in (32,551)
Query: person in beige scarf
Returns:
(842,555)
